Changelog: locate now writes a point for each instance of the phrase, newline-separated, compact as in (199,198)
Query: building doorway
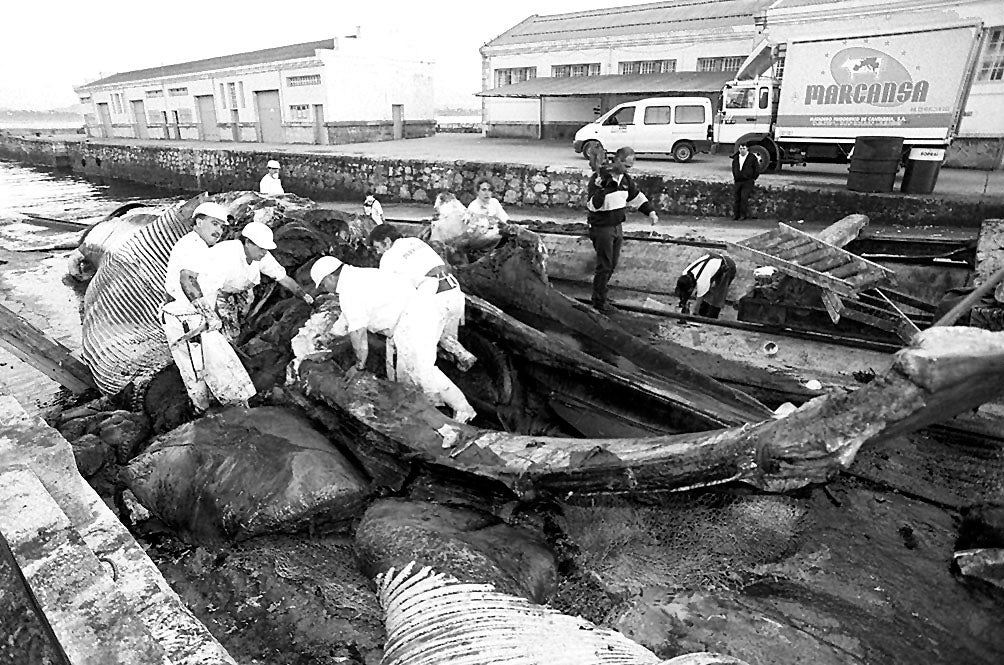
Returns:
(208,129)
(139,116)
(105,116)
(269,116)
(397,115)
(167,127)
(235,125)
(320,131)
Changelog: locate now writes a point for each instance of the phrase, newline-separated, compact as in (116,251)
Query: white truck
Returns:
(910,84)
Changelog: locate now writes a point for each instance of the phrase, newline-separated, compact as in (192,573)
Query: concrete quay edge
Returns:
(348,172)
(39,469)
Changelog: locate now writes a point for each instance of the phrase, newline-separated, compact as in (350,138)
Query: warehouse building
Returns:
(549,75)
(336,90)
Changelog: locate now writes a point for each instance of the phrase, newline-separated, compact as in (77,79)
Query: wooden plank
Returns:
(870,264)
(833,305)
(813,277)
(909,327)
(768,240)
(829,263)
(43,353)
(842,232)
(789,246)
(845,271)
(813,256)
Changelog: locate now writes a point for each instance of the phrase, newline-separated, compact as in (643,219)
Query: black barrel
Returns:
(922,169)
(874,163)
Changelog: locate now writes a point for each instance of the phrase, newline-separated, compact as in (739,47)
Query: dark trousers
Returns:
(607,243)
(741,199)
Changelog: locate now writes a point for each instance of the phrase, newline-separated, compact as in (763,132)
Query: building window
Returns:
(240,90)
(514,75)
(730,63)
(307,79)
(177,92)
(223,96)
(232,89)
(566,71)
(154,93)
(185,116)
(154,118)
(85,100)
(992,65)
(299,112)
(647,67)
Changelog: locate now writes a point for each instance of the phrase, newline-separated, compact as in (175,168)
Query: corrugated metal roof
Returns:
(276,54)
(659,17)
(645,84)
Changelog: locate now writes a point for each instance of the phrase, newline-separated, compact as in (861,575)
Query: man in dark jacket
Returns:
(611,191)
(744,172)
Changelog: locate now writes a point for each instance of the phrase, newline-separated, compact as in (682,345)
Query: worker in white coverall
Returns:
(379,301)
(236,267)
(271,184)
(187,310)
(423,267)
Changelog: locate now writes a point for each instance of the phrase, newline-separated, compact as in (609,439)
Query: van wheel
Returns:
(589,148)
(683,152)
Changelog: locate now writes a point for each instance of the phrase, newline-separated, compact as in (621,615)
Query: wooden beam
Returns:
(967,303)
(43,353)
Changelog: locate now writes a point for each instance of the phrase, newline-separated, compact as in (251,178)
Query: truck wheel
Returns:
(683,152)
(762,157)
(590,147)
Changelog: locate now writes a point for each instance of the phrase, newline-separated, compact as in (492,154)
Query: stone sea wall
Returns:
(349,177)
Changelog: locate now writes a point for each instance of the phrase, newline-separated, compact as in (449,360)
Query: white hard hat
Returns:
(272,164)
(259,234)
(210,209)
(323,267)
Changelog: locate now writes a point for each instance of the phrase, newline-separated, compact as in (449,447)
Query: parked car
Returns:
(678,126)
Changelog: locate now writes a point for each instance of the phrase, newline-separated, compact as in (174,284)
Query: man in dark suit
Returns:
(744,172)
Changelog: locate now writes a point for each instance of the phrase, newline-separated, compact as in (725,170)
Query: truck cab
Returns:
(747,114)
(679,126)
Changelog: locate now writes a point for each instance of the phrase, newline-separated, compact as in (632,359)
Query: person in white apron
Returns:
(208,364)
(236,267)
(374,300)
(424,268)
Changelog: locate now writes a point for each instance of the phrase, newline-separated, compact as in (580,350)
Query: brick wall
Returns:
(348,177)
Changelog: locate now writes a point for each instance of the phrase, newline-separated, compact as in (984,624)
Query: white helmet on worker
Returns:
(259,234)
(210,209)
(272,164)
(323,267)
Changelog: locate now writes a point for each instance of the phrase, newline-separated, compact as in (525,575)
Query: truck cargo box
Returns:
(909,84)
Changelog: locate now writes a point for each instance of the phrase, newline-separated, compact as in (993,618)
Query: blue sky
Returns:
(48,47)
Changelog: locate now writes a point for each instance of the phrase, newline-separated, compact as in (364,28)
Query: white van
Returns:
(679,126)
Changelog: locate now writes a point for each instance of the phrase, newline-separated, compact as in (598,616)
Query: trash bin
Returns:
(874,163)
(922,169)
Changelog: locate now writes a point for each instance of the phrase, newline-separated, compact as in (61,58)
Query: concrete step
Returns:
(89,616)
(27,443)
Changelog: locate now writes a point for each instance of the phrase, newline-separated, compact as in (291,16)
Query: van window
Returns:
(625,116)
(690,115)
(764,97)
(657,115)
